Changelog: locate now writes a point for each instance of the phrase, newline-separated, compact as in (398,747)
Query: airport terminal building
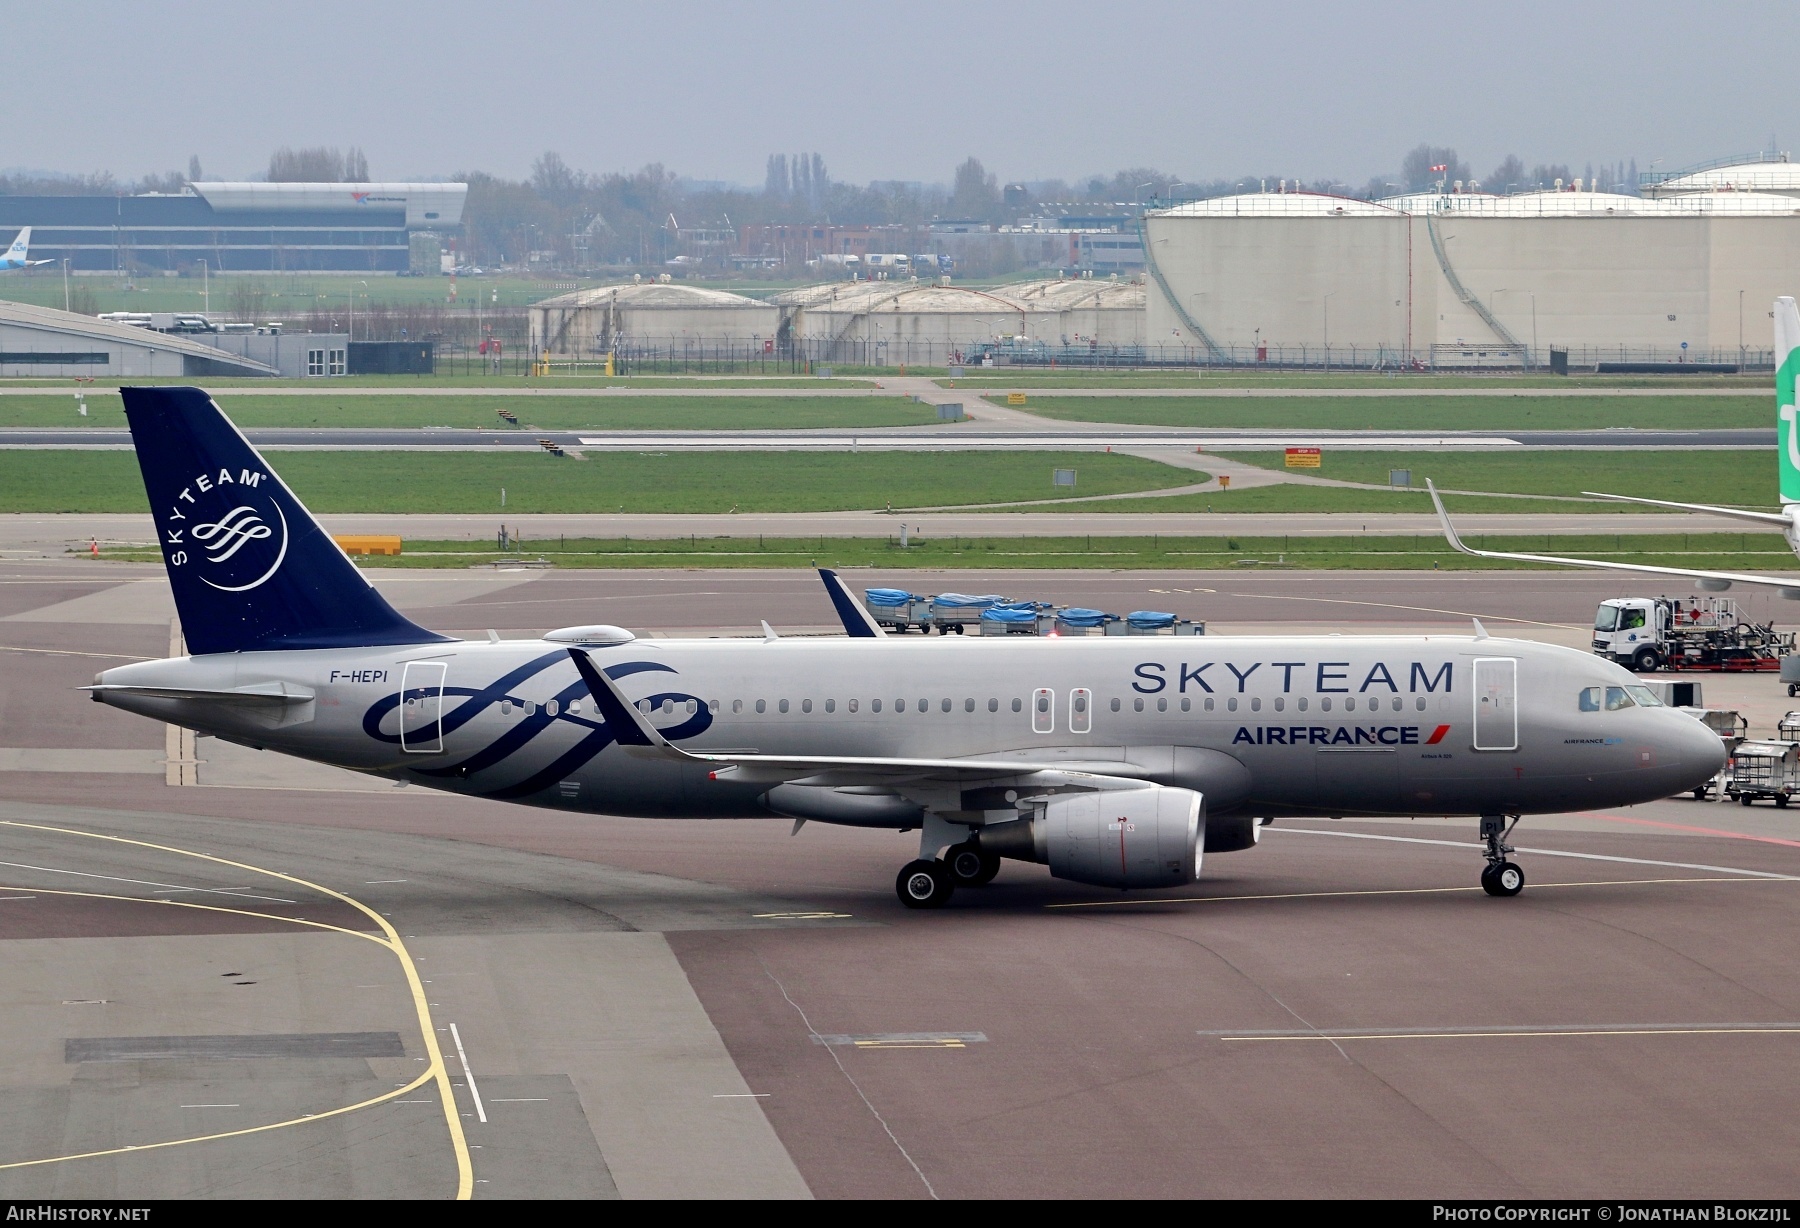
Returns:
(245,228)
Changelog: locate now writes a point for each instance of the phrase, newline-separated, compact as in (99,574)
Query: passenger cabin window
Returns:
(874,705)
(1018,705)
(1115,705)
(1162,705)
(782,706)
(761,706)
(853,704)
(993,705)
(1137,705)
(1616,698)
(968,705)
(1590,699)
(831,705)
(737,705)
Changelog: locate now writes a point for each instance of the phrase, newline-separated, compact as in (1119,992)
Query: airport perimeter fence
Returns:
(768,356)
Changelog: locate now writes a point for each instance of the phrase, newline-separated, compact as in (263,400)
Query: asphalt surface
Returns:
(722,1009)
(1060,437)
(55,534)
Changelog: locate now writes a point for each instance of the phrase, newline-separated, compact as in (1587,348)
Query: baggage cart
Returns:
(1764,770)
(897,610)
(1078,620)
(959,611)
(1155,622)
(1732,727)
(1017,618)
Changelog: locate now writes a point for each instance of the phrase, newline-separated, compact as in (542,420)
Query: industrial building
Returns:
(1771,172)
(887,323)
(1466,279)
(1090,310)
(648,316)
(926,323)
(42,341)
(245,227)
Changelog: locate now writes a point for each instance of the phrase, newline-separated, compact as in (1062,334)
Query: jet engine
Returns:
(1148,837)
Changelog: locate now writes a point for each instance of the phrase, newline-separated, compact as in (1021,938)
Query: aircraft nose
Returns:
(1696,746)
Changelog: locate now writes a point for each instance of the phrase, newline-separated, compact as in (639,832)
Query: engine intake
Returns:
(1149,837)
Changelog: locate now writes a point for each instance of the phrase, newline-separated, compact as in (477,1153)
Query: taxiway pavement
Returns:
(722,1008)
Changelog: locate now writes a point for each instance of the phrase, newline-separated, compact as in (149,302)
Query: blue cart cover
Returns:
(1078,617)
(888,597)
(964,601)
(1008,614)
(1149,620)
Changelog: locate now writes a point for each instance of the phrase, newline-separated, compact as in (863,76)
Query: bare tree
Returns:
(1418,171)
(319,164)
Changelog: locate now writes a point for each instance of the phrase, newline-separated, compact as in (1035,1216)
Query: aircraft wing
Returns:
(632,729)
(1735,513)
(1712,581)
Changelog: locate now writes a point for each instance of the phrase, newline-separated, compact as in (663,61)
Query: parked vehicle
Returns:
(1705,633)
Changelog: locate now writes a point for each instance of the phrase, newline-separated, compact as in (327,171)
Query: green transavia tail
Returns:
(1787,363)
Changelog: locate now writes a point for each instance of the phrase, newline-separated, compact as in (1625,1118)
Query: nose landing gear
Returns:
(1501,877)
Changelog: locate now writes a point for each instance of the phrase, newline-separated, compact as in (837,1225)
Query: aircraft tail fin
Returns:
(1787,365)
(250,568)
(20,245)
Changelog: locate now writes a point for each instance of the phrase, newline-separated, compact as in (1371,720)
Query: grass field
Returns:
(486,383)
(1740,551)
(722,412)
(1729,477)
(1448,413)
(75,480)
(1040,377)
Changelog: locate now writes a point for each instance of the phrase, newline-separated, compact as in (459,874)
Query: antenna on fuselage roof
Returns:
(768,632)
(1480,631)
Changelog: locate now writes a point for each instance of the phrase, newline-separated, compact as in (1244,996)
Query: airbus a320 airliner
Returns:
(1117,762)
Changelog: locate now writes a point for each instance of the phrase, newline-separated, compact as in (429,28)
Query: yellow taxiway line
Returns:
(435,1068)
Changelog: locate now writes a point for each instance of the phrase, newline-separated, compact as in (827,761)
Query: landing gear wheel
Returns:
(924,884)
(969,866)
(1645,661)
(1503,878)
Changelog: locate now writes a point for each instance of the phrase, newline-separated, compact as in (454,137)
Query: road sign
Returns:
(1303,458)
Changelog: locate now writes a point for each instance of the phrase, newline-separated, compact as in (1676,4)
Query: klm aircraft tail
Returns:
(19,247)
(1787,364)
(250,567)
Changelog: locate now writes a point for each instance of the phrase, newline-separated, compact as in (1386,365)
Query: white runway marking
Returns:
(474,1092)
(1469,845)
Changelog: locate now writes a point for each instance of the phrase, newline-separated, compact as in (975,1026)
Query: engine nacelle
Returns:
(1149,837)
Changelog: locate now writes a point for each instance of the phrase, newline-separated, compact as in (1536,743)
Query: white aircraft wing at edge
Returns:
(1715,581)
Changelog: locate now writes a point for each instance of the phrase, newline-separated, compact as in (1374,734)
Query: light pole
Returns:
(1327,302)
(65,264)
(1740,329)
(205,288)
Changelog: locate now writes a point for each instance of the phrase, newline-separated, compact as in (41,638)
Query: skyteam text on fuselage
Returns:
(15,257)
(1117,762)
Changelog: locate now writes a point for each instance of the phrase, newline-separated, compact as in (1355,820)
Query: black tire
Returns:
(1744,799)
(1781,801)
(1793,690)
(924,884)
(1644,661)
(1503,879)
(1700,794)
(969,866)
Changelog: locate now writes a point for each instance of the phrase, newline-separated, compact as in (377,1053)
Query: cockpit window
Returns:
(1616,698)
(1606,618)
(1645,696)
(1590,699)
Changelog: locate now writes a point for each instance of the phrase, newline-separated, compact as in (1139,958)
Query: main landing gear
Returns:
(1501,877)
(929,884)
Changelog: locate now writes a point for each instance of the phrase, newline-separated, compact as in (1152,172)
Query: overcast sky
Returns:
(896,90)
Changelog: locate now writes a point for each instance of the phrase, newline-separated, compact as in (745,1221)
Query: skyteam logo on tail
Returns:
(228,529)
